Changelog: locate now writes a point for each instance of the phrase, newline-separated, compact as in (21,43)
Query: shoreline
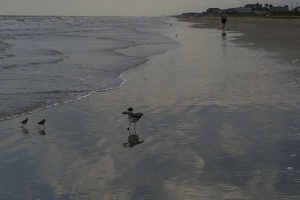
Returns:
(277,35)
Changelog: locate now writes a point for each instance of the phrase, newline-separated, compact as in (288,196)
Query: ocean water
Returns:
(47,61)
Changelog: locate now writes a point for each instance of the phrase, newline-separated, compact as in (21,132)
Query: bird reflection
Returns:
(42,132)
(25,131)
(133,139)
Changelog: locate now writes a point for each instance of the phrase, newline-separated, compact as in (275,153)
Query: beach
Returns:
(221,121)
(275,34)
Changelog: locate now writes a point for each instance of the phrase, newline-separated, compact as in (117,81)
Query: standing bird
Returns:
(42,123)
(132,117)
(24,122)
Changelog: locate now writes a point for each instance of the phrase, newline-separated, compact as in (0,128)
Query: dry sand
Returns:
(279,35)
(220,122)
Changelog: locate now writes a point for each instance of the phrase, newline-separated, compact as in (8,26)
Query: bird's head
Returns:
(130,109)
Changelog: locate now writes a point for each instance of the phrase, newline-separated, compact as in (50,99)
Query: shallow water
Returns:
(48,61)
(220,122)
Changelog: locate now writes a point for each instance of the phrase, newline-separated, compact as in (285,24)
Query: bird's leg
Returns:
(134,128)
(129,126)
(129,132)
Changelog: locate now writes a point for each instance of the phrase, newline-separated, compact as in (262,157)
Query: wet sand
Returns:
(278,35)
(221,121)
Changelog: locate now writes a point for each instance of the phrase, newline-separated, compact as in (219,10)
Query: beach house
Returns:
(257,8)
(214,11)
(242,10)
(254,7)
(296,9)
(279,9)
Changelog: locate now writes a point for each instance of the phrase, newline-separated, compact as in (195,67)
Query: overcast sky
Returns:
(122,7)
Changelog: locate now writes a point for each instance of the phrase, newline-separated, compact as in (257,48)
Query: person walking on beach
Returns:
(224,19)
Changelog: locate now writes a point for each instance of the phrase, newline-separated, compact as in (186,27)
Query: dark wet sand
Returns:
(220,122)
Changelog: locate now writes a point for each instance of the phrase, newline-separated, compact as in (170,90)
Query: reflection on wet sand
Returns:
(224,44)
(25,131)
(42,132)
(133,139)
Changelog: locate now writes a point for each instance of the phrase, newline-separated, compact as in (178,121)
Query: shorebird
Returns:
(24,122)
(132,117)
(41,123)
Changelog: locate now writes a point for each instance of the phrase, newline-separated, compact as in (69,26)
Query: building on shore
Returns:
(257,9)
(279,9)
(248,9)
(191,15)
(242,10)
(214,11)
(297,9)
(254,7)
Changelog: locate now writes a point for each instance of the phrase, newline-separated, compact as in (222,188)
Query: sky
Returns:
(122,7)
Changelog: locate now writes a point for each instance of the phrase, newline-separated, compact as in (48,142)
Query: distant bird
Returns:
(132,117)
(41,123)
(24,122)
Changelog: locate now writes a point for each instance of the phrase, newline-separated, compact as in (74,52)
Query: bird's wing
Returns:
(138,115)
(42,122)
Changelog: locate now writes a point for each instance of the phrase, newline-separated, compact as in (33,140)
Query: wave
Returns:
(4,46)
(48,52)
(8,67)
(62,97)
(4,56)
(53,61)
(49,92)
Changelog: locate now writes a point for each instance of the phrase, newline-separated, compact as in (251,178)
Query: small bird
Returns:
(42,123)
(24,122)
(132,117)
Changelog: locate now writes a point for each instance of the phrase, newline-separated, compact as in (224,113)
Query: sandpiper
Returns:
(42,123)
(24,122)
(132,117)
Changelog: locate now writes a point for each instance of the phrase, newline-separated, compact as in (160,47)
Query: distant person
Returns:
(224,19)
